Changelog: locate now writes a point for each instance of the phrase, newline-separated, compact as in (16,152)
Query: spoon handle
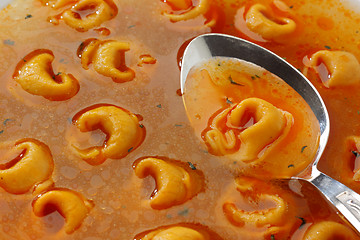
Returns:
(343,198)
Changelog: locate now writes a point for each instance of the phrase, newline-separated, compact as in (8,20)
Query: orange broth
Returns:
(121,200)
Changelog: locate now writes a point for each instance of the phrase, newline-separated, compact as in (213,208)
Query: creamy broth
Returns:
(121,199)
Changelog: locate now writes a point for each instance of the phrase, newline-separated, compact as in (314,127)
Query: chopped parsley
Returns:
(9,42)
(272,237)
(59,73)
(7,120)
(291,6)
(28,16)
(356,153)
(291,165)
(228,101)
(159,106)
(184,212)
(24,59)
(327,47)
(303,222)
(130,149)
(141,126)
(1,131)
(303,148)
(191,166)
(178,125)
(131,26)
(233,82)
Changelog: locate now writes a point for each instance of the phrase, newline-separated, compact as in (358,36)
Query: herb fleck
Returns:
(9,42)
(356,153)
(228,101)
(131,26)
(291,165)
(130,149)
(291,6)
(24,60)
(303,222)
(7,120)
(272,237)
(141,126)
(233,82)
(28,16)
(1,131)
(257,76)
(327,47)
(59,73)
(253,77)
(178,125)
(159,106)
(303,148)
(219,64)
(191,166)
(234,162)
(184,212)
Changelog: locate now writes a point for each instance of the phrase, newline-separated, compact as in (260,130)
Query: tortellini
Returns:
(175,233)
(84,14)
(107,57)
(124,133)
(176,182)
(326,230)
(336,68)
(35,75)
(242,132)
(102,10)
(180,4)
(271,28)
(276,219)
(56,3)
(181,231)
(32,166)
(198,10)
(71,205)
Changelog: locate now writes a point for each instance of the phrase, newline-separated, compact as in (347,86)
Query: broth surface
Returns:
(121,200)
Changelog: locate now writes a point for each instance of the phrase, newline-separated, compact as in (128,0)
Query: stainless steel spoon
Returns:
(208,46)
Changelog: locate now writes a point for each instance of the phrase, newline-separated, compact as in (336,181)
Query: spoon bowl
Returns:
(208,46)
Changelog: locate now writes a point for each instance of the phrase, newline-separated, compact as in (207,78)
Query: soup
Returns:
(90,104)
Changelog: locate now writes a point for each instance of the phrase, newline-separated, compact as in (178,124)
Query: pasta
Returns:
(32,165)
(336,68)
(230,192)
(175,233)
(269,127)
(57,3)
(329,230)
(71,205)
(102,10)
(36,76)
(198,10)
(107,57)
(175,182)
(257,20)
(184,231)
(278,217)
(180,4)
(124,133)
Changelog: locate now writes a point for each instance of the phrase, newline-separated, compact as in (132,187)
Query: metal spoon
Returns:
(208,46)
